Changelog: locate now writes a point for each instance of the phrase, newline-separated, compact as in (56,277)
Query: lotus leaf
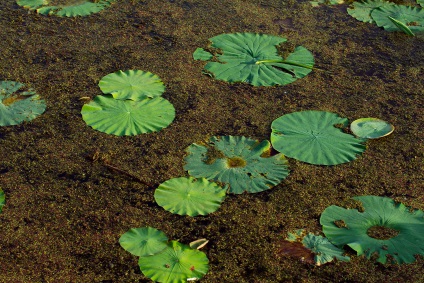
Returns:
(238,161)
(352,227)
(73,9)
(254,58)
(18,106)
(411,17)
(127,117)
(371,128)
(312,137)
(2,199)
(177,263)
(188,196)
(362,10)
(201,54)
(132,84)
(420,2)
(143,241)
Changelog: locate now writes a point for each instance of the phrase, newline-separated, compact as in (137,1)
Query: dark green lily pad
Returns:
(132,84)
(127,117)
(71,9)
(143,241)
(253,58)
(175,264)
(371,128)
(189,196)
(241,162)
(18,106)
(362,10)
(380,227)
(201,54)
(412,17)
(2,199)
(312,137)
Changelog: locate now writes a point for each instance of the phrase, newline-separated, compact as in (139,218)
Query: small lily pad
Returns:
(127,117)
(362,10)
(2,199)
(189,196)
(371,128)
(411,17)
(132,84)
(312,137)
(176,263)
(201,54)
(241,162)
(380,227)
(18,106)
(143,241)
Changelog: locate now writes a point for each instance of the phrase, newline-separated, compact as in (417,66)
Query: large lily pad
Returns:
(188,196)
(362,10)
(71,9)
(2,199)
(380,227)
(177,263)
(411,17)
(132,84)
(18,106)
(312,137)
(127,117)
(241,162)
(253,58)
(143,241)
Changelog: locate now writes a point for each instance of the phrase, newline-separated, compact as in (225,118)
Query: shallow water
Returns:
(66,210)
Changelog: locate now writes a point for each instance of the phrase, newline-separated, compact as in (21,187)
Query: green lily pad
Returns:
(127,117)
(132,84)
(253,58)
(70,9)
(312,137)
(241,162)
(420,2)
(177,263)
(381,227)
(143,241)
(2,199)
(371,128)
(411,17)
(189,196)
(18,106)
(201,54)
(362,10)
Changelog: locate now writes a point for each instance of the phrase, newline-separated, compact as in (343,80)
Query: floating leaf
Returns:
(362,10)
(371,128)
(311,136)
(411,17)
(143,241)
(188,196)
(253,58)
(18,106)
(127,117)
(201,54)
(73,9)
(176,264)
(382,227)
(238,161)
(198,244)
(2,199)
(132,84)
(401,26)
(420,2)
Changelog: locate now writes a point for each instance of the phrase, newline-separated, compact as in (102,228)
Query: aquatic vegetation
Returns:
(241,162)
(362,10)
(312,137)
(323,250)
(371,128)
(189,196)
(132,84)
(18,106)
(326,2)
(143,241)
(2,199)
(253,58)
(73,9)
(380,227)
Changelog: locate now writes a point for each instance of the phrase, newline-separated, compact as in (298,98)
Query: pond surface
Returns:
(66,207)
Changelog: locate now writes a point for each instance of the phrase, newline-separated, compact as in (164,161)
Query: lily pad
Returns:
(143,241)
(362,10)
(2,199)
(127,117)
(71,8)
(241,162)
(371,128)
(253,58)
(18,106)
(177,263)
(201,54)
(380,227)
(132,84)
(411,17)
(312,137)
(189,196)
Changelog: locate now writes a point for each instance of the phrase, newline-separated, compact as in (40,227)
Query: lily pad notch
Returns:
(254,58)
